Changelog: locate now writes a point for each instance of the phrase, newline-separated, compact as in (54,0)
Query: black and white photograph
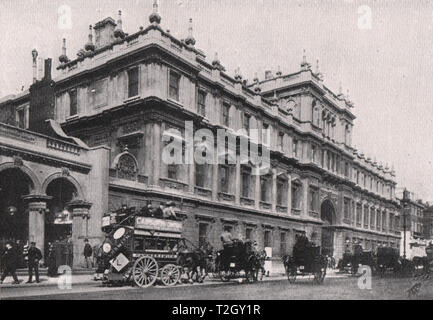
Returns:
(228,151)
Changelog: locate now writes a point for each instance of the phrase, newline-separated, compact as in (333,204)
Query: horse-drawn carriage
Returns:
(351,261)
(388,258)
(239,257)
(306,260)
(141,249)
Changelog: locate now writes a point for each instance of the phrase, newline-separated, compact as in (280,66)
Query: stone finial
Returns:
(216,63)
(238,75)
(256,78)
(319,75)
(304,64)
(190,41)
(340,91)
(63,58)
(35,63)
(278,73)
(89,45)
(155,18)
(118,32)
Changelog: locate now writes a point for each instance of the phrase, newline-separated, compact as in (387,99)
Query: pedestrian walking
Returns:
(34,256)
(51,261)
(10,263)
(88,253)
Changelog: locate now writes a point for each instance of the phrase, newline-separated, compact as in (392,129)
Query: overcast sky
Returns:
(385,62)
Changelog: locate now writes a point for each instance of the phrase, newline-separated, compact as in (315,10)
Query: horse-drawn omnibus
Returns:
(141,249)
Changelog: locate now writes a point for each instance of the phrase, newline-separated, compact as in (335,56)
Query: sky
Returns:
(380,51)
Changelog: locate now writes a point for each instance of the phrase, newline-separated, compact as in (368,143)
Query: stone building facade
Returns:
(126,96)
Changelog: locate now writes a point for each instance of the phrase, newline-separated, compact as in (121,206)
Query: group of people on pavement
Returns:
(14,254)
(11,259)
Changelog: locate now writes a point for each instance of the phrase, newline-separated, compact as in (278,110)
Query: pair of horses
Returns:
(196,263)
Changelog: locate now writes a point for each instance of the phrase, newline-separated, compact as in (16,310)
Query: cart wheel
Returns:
(145,271)
(170,275)
(291,274)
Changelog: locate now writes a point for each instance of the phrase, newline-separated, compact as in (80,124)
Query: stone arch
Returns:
(67,177)
(126,165)
(328,212)
(35,187)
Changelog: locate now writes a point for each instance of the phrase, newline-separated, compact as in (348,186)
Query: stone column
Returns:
(156,173)
(37,206)
(80,231)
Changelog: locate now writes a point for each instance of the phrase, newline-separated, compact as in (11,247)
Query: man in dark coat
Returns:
(88,253)
(10,263)
(35,255)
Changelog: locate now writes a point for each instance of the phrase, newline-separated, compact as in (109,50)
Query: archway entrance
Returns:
(14,217)
(58,222)
(327,214)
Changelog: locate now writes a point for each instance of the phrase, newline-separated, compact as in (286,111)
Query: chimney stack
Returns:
(47,69)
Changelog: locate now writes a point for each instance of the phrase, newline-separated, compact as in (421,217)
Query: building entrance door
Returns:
(327,214)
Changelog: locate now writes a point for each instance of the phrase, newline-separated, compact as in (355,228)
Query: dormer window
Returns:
(21,117)
(133,82)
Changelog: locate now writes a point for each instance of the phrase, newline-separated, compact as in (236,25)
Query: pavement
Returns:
(86,277)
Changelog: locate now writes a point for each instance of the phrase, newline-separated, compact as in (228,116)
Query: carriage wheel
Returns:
(145,271)
(291,274)
(170,275)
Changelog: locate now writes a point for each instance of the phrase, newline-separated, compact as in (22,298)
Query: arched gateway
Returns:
(327,214)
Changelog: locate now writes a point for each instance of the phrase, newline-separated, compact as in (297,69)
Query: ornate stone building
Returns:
(123,92)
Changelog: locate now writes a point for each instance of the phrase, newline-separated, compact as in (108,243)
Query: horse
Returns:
(195,262)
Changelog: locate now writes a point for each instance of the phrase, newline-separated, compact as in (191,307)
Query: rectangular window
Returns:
(246,123)
(346,209)
(73,107)
(372,218)
(225,115)
(246,174)
(313,153)
(21,118)
(249,234)
(267,239)
(283,244)
(133,82)
(378,219)
(265,134)
(295,148)
(202,233)
(346,169)
(224,178)
(264,188)
(281,192)
(358,214)
(201,103)
(296,201)
(172,171)
(281,141)
(99,97)
(174,86)
(200,175)
(314,199)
